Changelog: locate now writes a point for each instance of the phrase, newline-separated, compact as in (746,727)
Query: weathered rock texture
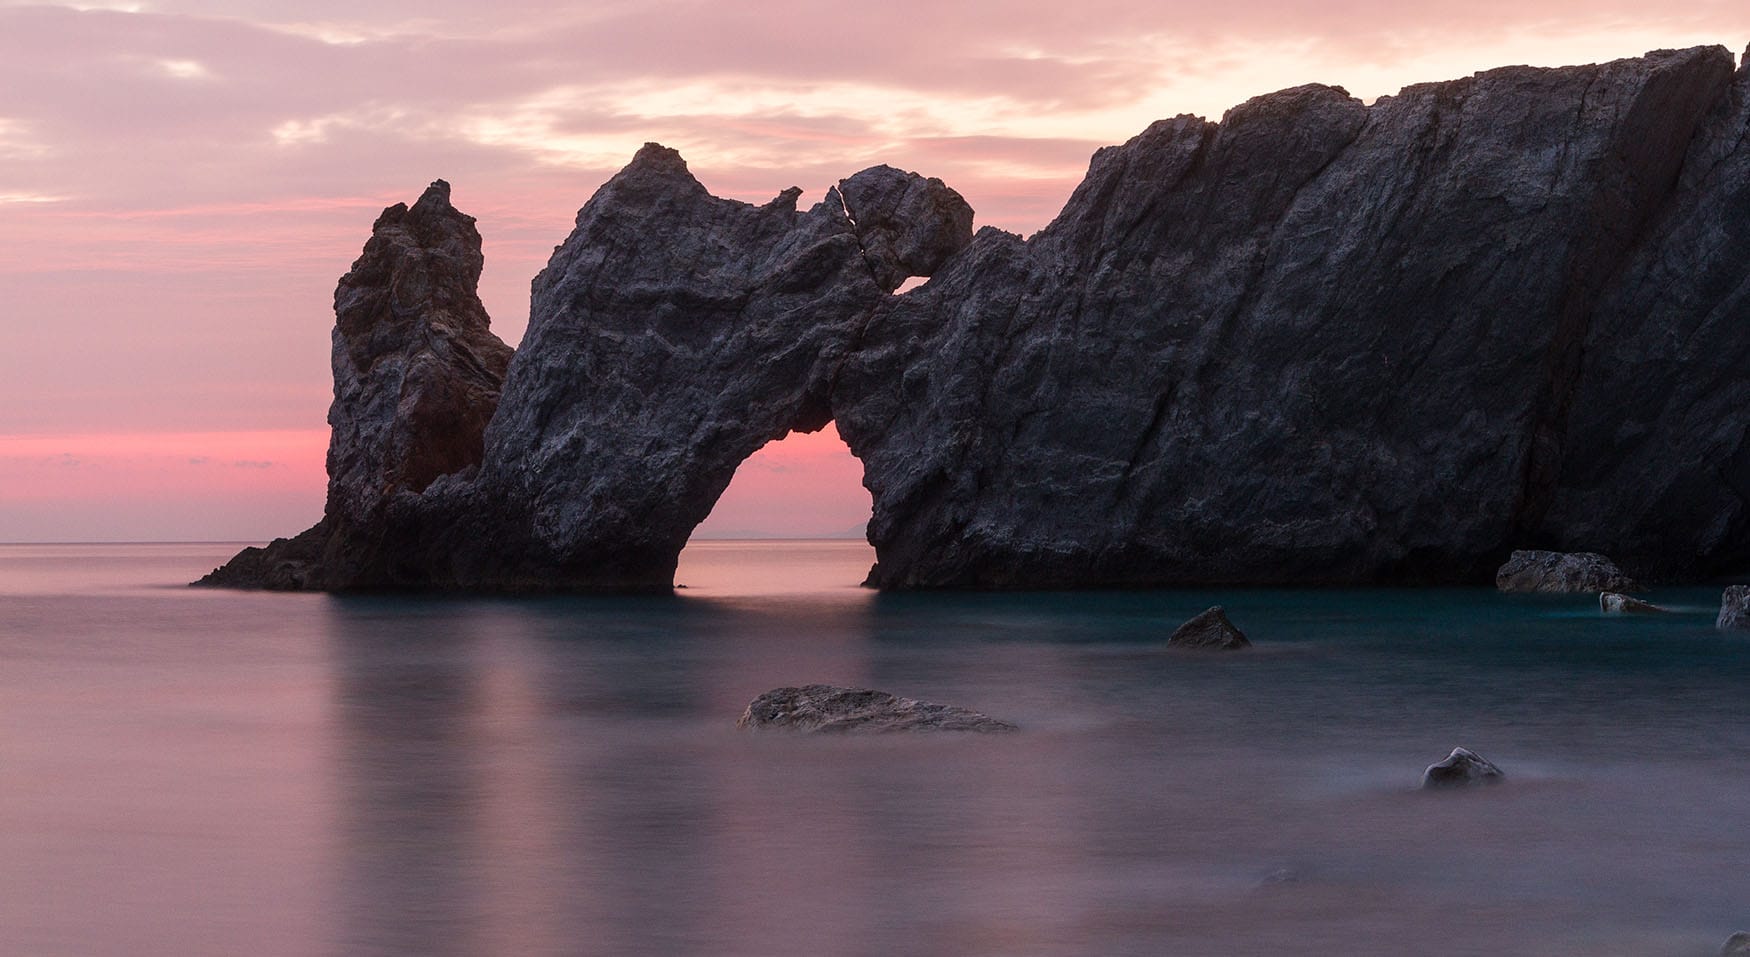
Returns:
(1462,768)
(1318,342)
(417,374)
(1734,608)
(1561,573)
(671,336)
(834,709)
(1209,630)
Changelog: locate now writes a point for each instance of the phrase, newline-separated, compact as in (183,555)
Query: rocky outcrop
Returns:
(1462,768)
(1561,573)
(1611,603)
(1655,467)
(1734,608)
(832,709)
(1209,631)
(1316,342)
(1736,945)
(671,336)
(417,373)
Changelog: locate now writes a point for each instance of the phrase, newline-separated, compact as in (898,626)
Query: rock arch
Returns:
(1319,341)
(671,336)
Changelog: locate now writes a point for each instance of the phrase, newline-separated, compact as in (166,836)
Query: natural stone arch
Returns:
(671,336)
(1319,341)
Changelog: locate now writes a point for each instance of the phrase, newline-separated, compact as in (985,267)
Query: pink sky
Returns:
(182,182)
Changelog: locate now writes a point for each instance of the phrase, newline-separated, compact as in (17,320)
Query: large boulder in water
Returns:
(1462,768)
(1561,572)
(1735,608)
(1210,630)
(834,709)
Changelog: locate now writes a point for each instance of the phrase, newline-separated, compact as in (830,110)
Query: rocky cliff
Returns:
(1319,341)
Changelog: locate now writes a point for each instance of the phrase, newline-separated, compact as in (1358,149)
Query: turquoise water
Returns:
(194,772)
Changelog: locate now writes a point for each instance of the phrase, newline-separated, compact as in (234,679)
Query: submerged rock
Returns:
(1736,945)
(1613,604)
(1209,630)
(834,709)
(1734,608)
(1561,572)
(1462,768)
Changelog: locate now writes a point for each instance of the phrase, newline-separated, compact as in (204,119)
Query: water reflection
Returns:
(180,772)
(409,697)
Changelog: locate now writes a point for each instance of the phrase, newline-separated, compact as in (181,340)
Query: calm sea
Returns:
(190,772)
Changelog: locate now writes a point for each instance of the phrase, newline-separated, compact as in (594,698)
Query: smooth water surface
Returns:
(191,772)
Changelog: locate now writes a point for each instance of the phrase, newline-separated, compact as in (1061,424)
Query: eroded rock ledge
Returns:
(1317,342)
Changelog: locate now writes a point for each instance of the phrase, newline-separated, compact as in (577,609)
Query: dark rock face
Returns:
(1318,342)
(833,709)
(1657,463)
(416,370)
(1462,768)
(1734,608)
(1611,603)
(671,336)
(1735,945)
(1561,573)
(417,373)
(1209,631)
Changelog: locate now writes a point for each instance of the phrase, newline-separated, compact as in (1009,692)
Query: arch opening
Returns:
(795,513)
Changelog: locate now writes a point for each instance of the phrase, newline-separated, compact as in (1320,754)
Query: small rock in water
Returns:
(830,708)
(1279,876)
(1738,943)
(1210,630)
(1561,572)
(1735,608)
(1462,768)
(1612,603)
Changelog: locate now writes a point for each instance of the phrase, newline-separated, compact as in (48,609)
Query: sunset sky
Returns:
(182,182)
